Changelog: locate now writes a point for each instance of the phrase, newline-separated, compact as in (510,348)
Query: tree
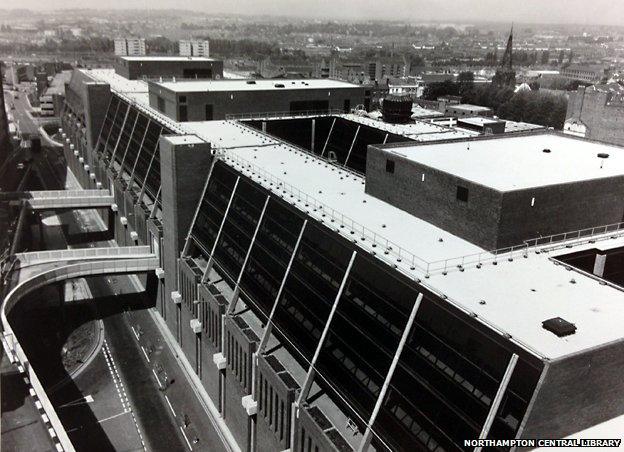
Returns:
(545,57)
(434,90)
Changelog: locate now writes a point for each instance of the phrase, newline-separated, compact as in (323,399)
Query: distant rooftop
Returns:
(187,86)
(508,163)
(417,130)
(469,107)
(164,58)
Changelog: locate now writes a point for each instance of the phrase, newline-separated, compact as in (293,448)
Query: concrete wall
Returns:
(240,345)
(578,392)
(602,120)
(237,102)
(316,432)
(161,68)
(98,97)
(276,392)
(435,199)
(180,196)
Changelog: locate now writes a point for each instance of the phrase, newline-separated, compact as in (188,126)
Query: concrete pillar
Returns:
(599,264)
(184,165)
(312,135)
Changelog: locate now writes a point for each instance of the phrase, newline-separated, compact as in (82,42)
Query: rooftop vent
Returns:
(603,155)
(279,85)
(251,82)
(559,326)
(546,151)
(397,109)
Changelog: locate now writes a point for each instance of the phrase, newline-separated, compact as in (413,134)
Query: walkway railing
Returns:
(387,248)
(582,235)
(327,213)
(284,114)
(143,262)
(39,257)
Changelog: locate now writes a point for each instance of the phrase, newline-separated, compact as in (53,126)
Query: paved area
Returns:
(22,427)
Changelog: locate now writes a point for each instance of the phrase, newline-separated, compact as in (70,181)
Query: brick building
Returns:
(597,112)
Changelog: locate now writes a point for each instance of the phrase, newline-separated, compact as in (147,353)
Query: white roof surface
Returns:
(418,130)
(519,295)
(518,162)
(187,86)
(116,81)
(469,107)
(419,112)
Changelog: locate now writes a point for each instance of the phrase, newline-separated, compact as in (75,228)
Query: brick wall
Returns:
(578,392)
(435,199)
(603,121)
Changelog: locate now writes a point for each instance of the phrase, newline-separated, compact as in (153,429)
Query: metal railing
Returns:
(282,141)
(582,235)
(327,214)
(37,257)
(284,114)
(478,259)
(510,253)
(387,248)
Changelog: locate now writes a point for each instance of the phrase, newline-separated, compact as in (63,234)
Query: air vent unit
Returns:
(559,326)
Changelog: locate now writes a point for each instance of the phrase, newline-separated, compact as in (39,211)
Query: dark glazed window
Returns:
(160,102)
(209,112)
(462,193)
(389,166)
(183,116)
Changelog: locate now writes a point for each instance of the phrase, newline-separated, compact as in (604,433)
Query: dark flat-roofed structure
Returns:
(217,99)
(137,67)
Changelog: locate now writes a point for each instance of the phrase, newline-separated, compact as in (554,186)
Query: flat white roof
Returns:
(116,81)
(469,107)
(510,163)
(186,86)
(479,120)
(424,112)
(165,58)
(417,130)
(518,295)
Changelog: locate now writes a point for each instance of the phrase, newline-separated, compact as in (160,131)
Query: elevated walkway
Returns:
(61,199)
(31,271)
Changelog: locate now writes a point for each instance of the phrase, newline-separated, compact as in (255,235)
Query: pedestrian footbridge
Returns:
(27,272)
(61,199)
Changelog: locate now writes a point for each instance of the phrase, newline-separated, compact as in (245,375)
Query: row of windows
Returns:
(131,139)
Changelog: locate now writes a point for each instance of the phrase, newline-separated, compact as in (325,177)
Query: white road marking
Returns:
(125,402)
(114,416)
(145,353)
(157,379)
(135,333)
(188,443)
(170,406)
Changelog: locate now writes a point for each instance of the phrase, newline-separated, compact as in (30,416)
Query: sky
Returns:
(596,12)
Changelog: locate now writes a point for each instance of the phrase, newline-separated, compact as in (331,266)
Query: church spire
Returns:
(505,75)
(507,61)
